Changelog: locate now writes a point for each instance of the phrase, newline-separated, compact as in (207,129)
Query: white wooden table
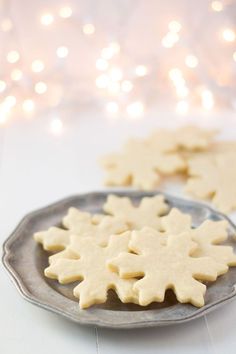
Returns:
(37,168)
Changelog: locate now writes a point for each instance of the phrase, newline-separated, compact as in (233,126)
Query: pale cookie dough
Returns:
(90,267)
(147,213)
(55,238)
(140,166)
(67,253)
(81,224)
(166,266)
(214,177)
(208,236)
(216,147)
(223,146)
(188,137)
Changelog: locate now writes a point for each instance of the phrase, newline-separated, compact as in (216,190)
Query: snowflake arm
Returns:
(65,270)
(176,222)
(209,235)
(54,239)
(67,253)
(204,178)
(127,265)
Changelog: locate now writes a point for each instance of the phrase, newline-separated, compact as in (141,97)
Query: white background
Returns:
(37,168)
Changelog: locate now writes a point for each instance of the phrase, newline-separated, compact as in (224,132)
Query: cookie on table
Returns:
(140,166)
(213,177)
(188,138)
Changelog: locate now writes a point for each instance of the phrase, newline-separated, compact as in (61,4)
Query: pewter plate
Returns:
(25,261)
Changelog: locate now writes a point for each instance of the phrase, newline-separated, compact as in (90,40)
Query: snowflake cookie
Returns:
(82,224)
(89,266)
(140,166)
(214,177)
(168,266)
(147,213)
(188,138)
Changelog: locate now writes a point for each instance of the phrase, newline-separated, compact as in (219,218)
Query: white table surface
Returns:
(37,168)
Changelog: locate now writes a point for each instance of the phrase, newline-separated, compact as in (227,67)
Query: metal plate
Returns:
(25,261)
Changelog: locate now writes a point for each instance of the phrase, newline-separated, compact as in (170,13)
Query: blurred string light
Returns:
(40,87)
(182,107)
(62,52)
(117,80)
(13,56)
(102,64)
(16,75)
(3,86)
(88,29)
(112,108)
(116,74)
(115,47)
(174,26)
(28,105)
(5,108)
(65,12)
(172,37)
(179,83)
(234,56)
(110,51)
(191,61)
(4,113)
(37,66)
(229,35)
(10,101)
(56,126)
(141,70)
(217,6)
(207,99)
(135,109)
(47,19)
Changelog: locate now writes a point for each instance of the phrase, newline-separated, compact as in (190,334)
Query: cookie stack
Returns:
(208,165)
(139,251)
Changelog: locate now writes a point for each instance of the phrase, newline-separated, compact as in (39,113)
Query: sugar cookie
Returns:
(147,213)
(214,177)
(188,137)
(223,146)
(140,166)
(90,267)
(166,266)
(82,224)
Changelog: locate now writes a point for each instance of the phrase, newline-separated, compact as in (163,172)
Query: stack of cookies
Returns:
(139,251)
(208,165)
